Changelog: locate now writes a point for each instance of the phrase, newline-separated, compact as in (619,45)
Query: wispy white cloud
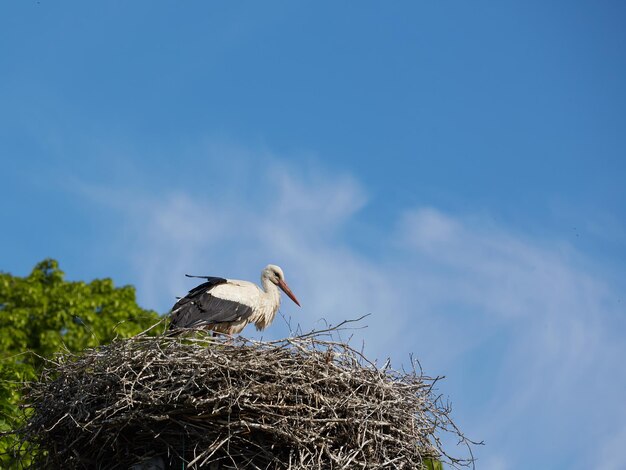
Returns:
(546,385)
(612,453)
(525,332)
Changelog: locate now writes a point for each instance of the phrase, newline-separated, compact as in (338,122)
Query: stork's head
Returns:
(275,275)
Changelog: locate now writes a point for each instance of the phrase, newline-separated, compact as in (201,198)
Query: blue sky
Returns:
(456,169)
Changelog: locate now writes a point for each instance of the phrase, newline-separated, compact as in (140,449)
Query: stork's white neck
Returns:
(270,301)
(270,289)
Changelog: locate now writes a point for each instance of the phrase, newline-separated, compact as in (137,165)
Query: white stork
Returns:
(228,305)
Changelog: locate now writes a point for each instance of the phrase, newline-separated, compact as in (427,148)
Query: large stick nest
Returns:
(306,402)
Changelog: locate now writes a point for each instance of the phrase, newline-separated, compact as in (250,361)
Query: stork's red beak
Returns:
(283,285)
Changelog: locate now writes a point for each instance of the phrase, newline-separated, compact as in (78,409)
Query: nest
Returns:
(201,402)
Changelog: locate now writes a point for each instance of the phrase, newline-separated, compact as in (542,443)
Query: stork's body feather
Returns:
(228,305)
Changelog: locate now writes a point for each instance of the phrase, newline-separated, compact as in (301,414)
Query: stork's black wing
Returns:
(200,308)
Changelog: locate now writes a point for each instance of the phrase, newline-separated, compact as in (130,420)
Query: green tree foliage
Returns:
(432,464)
(42,314)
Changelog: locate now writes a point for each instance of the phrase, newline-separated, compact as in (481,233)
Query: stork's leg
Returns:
(229,337)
